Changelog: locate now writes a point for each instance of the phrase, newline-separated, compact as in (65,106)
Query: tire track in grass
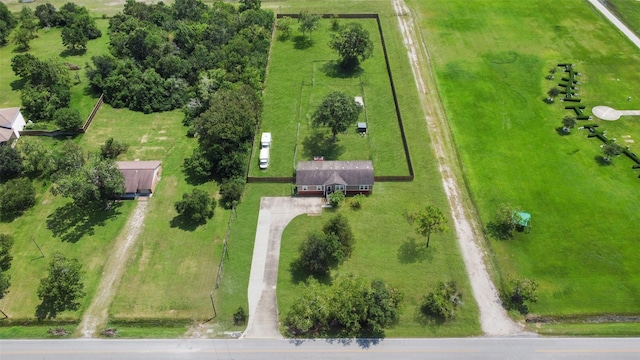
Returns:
(97,315)
(493,318)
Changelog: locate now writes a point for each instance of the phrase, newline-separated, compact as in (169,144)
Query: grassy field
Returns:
(490,70)
(385,240)
(628,12)
(53,224)
(301,73)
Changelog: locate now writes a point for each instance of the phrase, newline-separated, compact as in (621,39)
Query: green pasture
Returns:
(170,272)
(56,226)
(387,246)
(301,72)
(628,12)
(490,63)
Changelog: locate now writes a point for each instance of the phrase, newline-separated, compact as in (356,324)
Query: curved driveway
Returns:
(275,214)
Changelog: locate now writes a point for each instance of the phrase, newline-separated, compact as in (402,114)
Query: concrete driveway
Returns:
(275,214)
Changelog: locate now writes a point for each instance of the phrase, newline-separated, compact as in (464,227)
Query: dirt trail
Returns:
(97,314)
(493,318)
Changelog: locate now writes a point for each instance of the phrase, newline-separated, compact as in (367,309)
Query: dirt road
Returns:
(97,314)
(493,318)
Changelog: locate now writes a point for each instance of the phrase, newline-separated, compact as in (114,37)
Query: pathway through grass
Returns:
(493,318)
(97,313)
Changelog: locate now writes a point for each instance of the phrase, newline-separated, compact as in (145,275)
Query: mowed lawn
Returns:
(52,223)
(628,12)
(387,246)
(491,60)
(171,270)
(301,73)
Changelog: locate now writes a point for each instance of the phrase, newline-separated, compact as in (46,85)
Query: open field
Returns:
(301,73)
(386,244)
(584,239)
(628,12)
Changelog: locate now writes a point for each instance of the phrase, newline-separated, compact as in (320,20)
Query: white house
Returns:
(11,123)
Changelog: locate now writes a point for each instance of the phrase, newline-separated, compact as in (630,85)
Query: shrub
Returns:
(517,292)
(336,198)
(442,302)
(113,148)
(356,201)
(16,196)
(231,192)
(240,316)
(67,119)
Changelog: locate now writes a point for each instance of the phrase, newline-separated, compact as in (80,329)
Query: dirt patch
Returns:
(97,314)
(493,318)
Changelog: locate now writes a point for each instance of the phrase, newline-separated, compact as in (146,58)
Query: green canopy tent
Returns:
(523,219)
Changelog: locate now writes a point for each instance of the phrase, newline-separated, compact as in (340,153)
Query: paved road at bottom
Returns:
(521,348)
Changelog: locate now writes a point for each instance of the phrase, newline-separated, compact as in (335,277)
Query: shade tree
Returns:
(337,111)
(308,23)
(67,119)
(7,23)
(93,185)
(16,196)
(353,44)
(10,163)
(62,288)
(197,206)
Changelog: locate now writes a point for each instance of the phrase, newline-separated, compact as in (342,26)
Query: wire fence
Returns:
(225,254)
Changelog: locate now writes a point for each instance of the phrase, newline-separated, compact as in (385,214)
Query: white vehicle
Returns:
(264,158)
(265,141)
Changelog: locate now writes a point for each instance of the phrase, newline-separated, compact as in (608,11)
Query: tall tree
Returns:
(16,196)
(430,220)
(249,5)
(27,30)
(10,163)
(93,185)
(320,252)
(308,23)
(338,111)
(73,37)
(353,45)
(48,15)
(7,23)
(197,206)
(61,289)
(284,25)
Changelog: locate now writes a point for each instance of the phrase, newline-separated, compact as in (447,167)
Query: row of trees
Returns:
(6,243)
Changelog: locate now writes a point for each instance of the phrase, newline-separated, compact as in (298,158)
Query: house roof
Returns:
(359,172)
(8,116)
(138,174)
(5,134)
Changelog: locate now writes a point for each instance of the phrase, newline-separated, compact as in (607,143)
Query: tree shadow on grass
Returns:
(183,223)
(46,310)
(499,231)
(335,70)
(411,252)
(301,42)
(18,84)
(300,275)
(319,145)
(602,161)
(70,222)
(72,52)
